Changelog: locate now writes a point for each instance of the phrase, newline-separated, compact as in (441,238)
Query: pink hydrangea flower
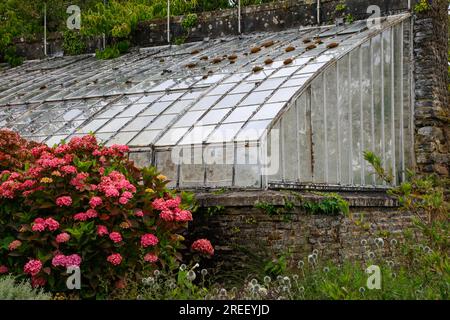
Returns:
(91,213)
(38,225)
(123,200)
(62,237)
(203,246)
(149,240)
(38,282)
(183,216)
(115,259)
(3,269)
(14,245)
(33,267)
(115,237)
(139,213)
(51,224)
(69,169)
(102,231)
(80,216)
(61,260)
(150,257)
(159,204)
(64,201)
(95,202)
(173,203)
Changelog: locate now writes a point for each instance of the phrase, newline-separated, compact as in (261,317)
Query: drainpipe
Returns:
(45,29)
(168,21)
(104,35)
(318,12)
(239,17)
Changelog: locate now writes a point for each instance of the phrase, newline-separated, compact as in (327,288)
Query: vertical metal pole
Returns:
(239,17)
(104,35)
(318,11)
(45,29)
(168,21)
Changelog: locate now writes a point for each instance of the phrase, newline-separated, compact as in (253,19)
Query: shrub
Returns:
(10,290)
(73,43)
(83,204)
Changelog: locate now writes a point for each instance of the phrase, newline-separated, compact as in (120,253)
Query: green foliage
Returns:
(349,18)
(340,7)
(329,204)
(110,52)
(180,40)
(11,57)
(73,43)
(422,6)
(215,210)
(189,21)
(377,165)
(277,266)
(12,290)
(285,211)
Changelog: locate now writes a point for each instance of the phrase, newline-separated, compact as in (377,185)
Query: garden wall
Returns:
(246,235)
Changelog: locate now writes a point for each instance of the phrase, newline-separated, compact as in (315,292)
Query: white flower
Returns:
(191,275)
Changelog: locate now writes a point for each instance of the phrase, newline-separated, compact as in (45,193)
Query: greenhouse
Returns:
(295,108)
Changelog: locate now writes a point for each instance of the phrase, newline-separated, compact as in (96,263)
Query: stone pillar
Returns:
(432,134)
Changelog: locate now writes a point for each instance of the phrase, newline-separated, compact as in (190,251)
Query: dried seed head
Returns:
(257,69)
(191,65)
(195,52)
(311,46)
(204,58)
(232,57)
(216,60)
(306,40)
(288,61)
(268,61)
(255,49)
(289,49)
(268,44)
(332,45)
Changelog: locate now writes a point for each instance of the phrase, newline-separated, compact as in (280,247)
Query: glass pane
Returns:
(247,168)
(257,98)
(206,102)
(172,136)
(197,135)
(289,145)
(188,119)
(304,136)
(318,130)
(121,138)
(214,116)
(283,94)
(225,132)
(133,110)
(268,111)
(240,114)
(156,109)
(112,111)
(145,138)
(332,124)
(161,122)
(138,124)
(93,126)
(355,96)
(219,165)
(270,84)
(178,106)
(253,130)
(114,125)
(229,101)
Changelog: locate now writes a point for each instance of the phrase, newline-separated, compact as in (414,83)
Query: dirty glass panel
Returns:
(272,164)
(408,127)
(221,89)
(229,101)
(112,111)
(156,109)
(197,135)
(268,111)
(256,98)
(389,134)
(303,106)
(245,87)
(141,159)
(122,138)
(165,163)
(179,106)
(214,116)
(290,145)
(188,119)
(225,132)
(367,104)
(270,84)
(332,124)
(378,91)
(93,125)
(253,130)
(161,122)
(247,168)
(171,137)
(398,101)
(145,138)
(240,114)
(318,130)
(192,169)
(205,103)
(283,95)
(138,123)
(133,110)
(114,125)
(219,161)
(355,96)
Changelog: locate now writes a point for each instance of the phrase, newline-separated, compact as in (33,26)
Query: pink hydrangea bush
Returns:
(84,204)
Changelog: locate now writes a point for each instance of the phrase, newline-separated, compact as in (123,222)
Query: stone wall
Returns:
(432,111)
(274,16)
(245,235)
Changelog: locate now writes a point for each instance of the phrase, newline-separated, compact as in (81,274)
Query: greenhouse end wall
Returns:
(361,102)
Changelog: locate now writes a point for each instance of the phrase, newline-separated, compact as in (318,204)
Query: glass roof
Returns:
(204,92)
